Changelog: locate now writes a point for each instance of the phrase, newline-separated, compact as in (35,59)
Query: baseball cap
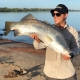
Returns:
(61,8)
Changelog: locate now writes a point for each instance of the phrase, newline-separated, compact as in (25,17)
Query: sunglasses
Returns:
(57,14)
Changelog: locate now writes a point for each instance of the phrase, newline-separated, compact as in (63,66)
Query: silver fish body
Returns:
(46,32)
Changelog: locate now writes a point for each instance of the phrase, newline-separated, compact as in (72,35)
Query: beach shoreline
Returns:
(16,55)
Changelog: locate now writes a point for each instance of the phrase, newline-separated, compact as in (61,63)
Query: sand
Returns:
(18,55)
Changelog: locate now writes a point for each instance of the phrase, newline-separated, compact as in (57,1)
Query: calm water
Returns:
(73,20)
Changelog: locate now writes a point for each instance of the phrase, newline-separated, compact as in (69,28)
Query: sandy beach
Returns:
(17,55)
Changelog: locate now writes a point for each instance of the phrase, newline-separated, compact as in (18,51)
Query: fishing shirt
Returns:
(55,66)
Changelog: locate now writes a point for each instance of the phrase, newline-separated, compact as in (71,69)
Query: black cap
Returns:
(61,8)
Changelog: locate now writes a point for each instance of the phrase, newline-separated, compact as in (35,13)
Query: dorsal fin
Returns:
(29,16)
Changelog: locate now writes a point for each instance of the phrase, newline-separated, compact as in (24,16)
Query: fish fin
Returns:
(39,45)
(29,16)
(46,22)
(7,27)
(48,39)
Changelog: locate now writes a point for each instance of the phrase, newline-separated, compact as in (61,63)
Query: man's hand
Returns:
(65,57)
(35,36)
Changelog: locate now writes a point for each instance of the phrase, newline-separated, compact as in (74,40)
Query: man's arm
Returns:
(75,44)
(38,44)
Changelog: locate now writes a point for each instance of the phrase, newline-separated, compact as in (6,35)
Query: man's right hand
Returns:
(35,36)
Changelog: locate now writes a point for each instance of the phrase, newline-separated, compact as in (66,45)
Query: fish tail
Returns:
(7,27)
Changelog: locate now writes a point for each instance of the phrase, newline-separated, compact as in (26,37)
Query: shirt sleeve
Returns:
(75,43)
(37,45)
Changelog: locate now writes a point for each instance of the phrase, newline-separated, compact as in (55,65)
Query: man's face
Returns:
(59,18)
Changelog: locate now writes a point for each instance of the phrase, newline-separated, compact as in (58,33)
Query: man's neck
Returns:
(61,26)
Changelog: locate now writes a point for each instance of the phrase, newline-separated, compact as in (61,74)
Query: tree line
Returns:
(5,9)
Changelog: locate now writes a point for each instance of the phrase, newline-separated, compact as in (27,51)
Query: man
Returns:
(58,66)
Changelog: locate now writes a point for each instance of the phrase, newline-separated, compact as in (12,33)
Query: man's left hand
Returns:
(65,57)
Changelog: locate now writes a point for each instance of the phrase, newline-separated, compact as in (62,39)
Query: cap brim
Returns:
(58,10)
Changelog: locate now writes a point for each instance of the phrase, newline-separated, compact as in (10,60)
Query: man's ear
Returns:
(66,15)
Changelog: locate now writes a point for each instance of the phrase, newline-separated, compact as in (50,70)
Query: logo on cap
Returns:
(58,7)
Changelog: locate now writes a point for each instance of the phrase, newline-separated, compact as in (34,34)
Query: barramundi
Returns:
(46,32)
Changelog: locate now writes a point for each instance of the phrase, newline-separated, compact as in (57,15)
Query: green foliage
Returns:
(5,9)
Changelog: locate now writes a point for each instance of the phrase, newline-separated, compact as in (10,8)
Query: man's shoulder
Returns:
(72,29)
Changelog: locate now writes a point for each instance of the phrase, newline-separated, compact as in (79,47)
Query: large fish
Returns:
(46,32)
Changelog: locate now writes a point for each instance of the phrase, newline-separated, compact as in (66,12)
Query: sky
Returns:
(71,4)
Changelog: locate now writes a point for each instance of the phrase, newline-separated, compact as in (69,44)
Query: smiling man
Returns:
(58,66)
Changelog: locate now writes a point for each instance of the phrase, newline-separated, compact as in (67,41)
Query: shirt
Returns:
(55,65)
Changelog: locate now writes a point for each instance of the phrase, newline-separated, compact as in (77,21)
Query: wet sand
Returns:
(16,55)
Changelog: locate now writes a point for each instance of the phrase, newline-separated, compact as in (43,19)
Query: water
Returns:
(73,20)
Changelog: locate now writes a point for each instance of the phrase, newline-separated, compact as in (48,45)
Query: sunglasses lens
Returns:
(57,14)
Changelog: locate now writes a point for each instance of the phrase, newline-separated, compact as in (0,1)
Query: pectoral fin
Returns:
(48,39)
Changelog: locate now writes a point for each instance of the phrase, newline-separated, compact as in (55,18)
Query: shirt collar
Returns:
(65,26)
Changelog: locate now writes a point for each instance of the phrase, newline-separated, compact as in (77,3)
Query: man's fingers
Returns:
(65,57)
(35,36)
